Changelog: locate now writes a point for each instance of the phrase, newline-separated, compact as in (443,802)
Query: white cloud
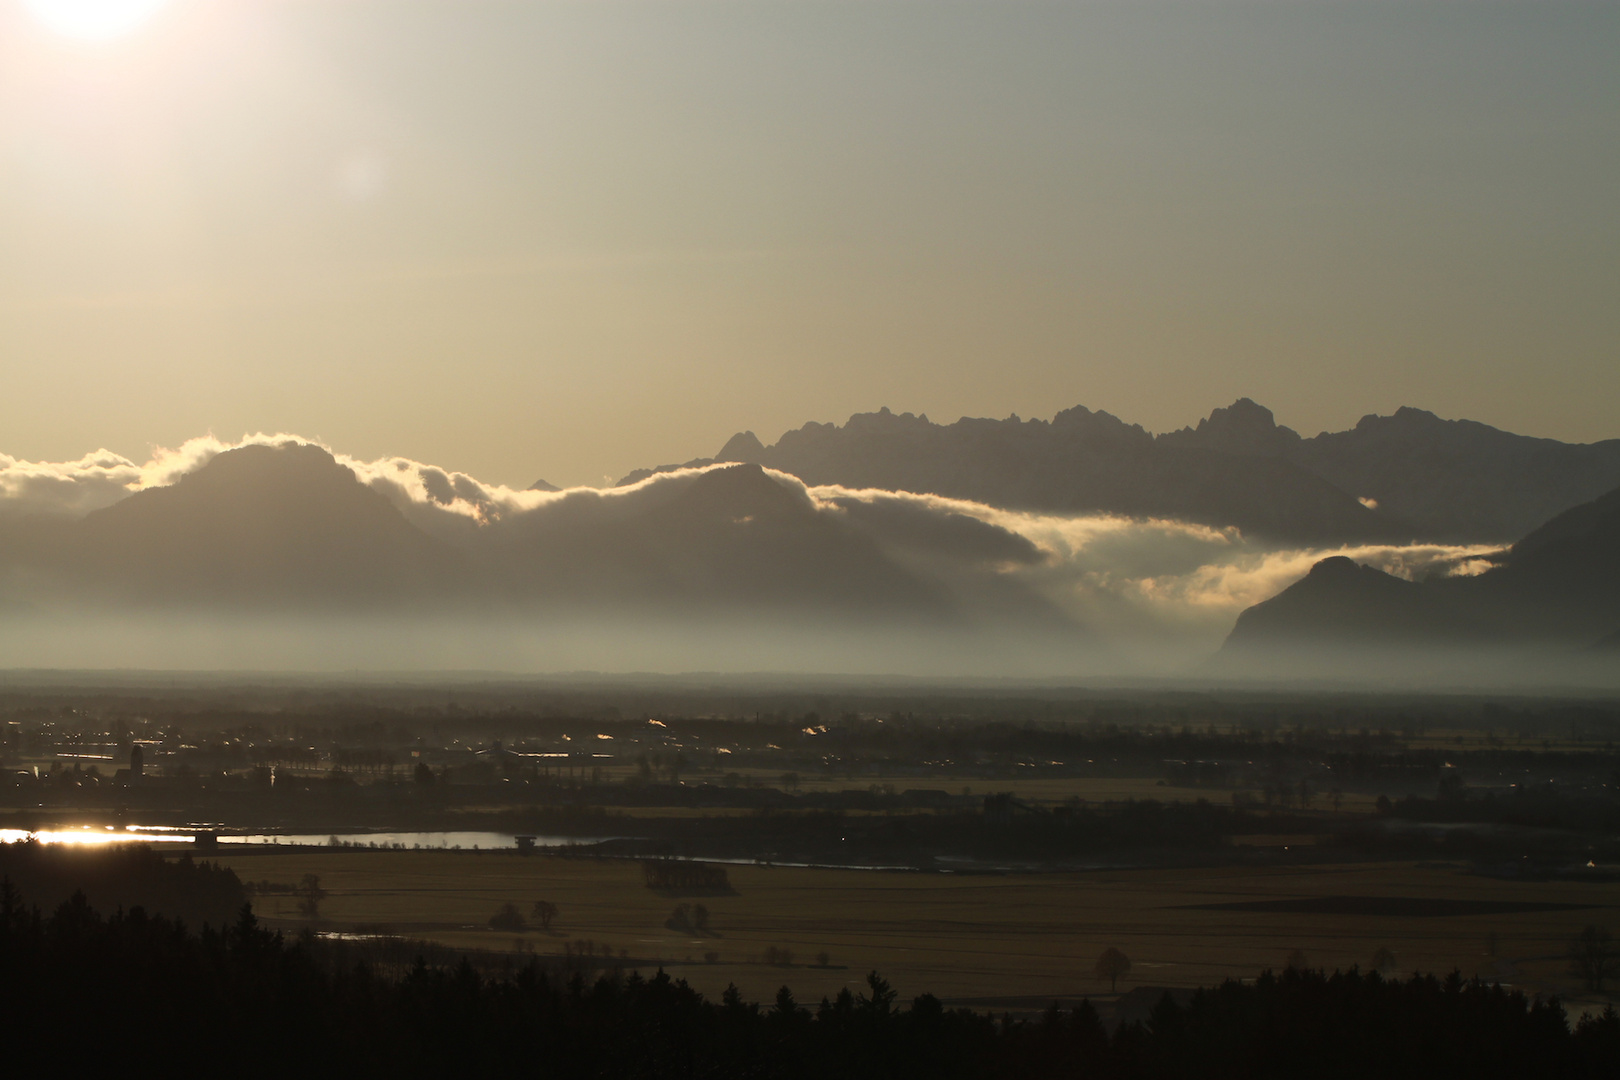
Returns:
(1150,579)
(1154,577)
(98,479)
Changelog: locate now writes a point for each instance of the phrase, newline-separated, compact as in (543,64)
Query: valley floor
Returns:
(1002,941)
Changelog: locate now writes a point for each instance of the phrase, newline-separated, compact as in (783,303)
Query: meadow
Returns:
(1003,941)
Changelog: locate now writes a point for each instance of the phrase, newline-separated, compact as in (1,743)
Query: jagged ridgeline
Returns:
(1077,546)
(1409,476)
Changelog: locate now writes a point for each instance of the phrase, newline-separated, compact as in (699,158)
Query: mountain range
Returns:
(289,528)
(1557,590)
(1391,479)
(839,528)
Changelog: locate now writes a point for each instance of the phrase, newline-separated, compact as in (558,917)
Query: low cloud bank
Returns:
(75,488)
(1151,578)
(1163,591)
(100,479)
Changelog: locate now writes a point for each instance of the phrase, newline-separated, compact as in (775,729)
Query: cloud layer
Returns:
(1150,585)
(1147,578)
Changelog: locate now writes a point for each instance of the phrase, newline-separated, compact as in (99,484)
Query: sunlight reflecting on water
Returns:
(97,836)
(484,841)
(187,834)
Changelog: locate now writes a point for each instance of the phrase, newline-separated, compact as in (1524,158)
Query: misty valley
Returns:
(1070,866)
(1407,552)
(788,540)
(1019,748)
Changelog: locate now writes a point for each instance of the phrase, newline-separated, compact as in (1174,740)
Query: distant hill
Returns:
(263,526)
(273,528)
(1560,585)
(1411,476)
(725,537)
(1562,581)
(1342,603)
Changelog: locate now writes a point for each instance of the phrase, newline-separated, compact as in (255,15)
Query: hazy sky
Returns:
(566,239)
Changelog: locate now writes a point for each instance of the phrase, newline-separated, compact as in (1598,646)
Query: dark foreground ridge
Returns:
(150,994)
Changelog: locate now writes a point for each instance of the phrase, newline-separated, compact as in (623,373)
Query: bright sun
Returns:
(93,20)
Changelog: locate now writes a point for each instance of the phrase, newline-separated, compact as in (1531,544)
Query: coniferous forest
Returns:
(152,994)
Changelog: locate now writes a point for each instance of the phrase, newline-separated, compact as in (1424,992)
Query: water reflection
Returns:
(465,841)
(168,834)
(99,836)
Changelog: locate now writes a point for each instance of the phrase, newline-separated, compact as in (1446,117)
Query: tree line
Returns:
(148,993)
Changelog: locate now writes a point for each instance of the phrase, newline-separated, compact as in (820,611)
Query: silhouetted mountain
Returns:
(1559,585)
(1457,480)
(287,527)
(1391,479)
(543,485)
(1243,428)
(726,538)
(1342,603)
(1078,462)
(743,447)
(1562,581)
(261,525)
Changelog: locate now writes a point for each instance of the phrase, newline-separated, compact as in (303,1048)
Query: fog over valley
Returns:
(1076,547)
(1042,539)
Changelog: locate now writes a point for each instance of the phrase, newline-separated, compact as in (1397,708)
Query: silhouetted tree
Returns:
(309,895)
(1113,965)
(881,998)
(1383,961)
(508,917)
(786,1007)
(543,912)
(1594,958)
(70,978)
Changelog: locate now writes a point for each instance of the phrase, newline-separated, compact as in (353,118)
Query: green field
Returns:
(1004,940)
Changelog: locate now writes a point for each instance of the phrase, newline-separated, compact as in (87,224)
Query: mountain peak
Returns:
(280,523)
(1243,427)
(744,488)
(273,464)
(744,447)
(1334,566)
(885,420)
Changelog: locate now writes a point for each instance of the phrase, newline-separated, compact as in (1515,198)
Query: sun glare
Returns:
(93,20)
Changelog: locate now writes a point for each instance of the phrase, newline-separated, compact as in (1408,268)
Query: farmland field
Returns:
(1003,941)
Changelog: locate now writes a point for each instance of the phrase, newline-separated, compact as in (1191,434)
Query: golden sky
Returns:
(567,239)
